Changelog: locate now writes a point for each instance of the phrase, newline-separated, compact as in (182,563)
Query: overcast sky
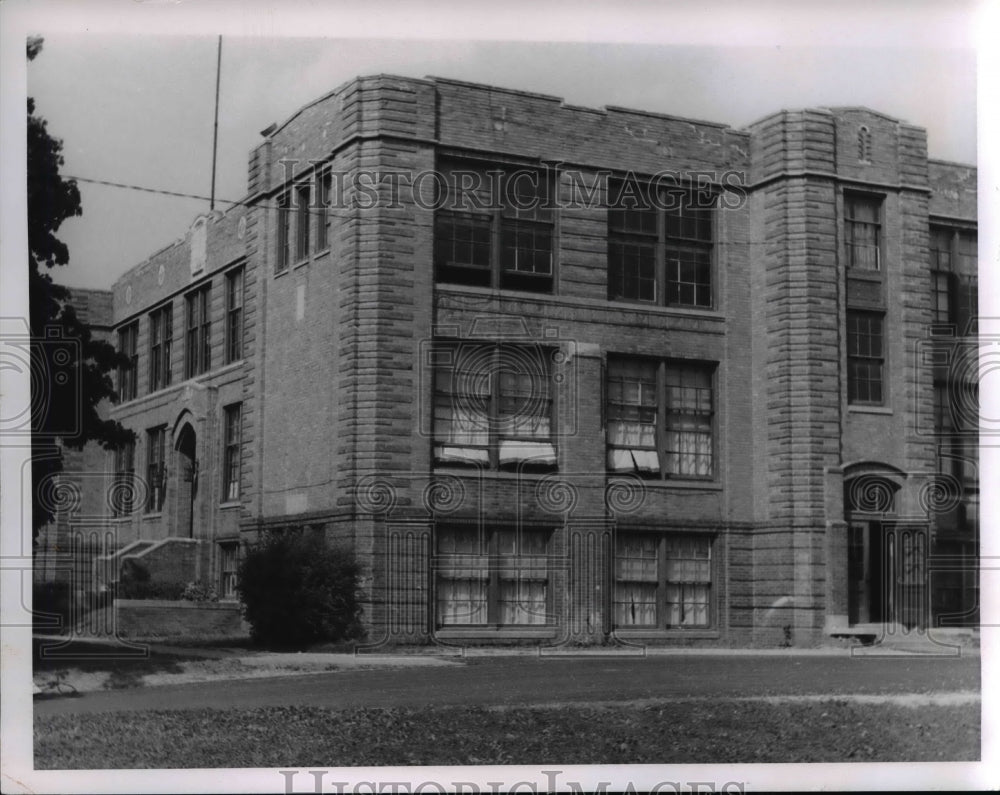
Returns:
(138,109)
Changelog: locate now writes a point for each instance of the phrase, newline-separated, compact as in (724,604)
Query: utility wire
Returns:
(147,190)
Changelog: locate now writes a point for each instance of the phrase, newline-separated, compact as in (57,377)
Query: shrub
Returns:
(134,571)
(296,590)
(199,592)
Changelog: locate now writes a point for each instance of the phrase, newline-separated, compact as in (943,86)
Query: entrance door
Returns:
(886,573)
(187,481)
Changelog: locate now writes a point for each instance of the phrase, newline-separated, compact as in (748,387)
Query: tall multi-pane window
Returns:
(663,581)
(633,242)
(324,183)
(128,338)
(493,406)
(863,232)
(231,458)
(303,213)
(492,577)
(660,246)
(660,418)
(123,490)
(865,357)
(495,228)
(156,469)
(954,269)
(282,236)
(161,333)
(198,354)
(228,567)
(234,315)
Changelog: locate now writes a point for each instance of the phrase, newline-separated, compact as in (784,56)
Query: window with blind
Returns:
(234,315)
(663,581)
(492,577)
(282,237)
(495,228)
(863,232)
(303,217)
(123,491)
(954,258)
(232,454)
(128,337)
(156,469)
(324,185)
(161,333)
(228,566)
(198,350)
(493,406)
(660,247)
(660,418)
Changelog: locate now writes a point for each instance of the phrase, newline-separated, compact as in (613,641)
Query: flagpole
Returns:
(215,132)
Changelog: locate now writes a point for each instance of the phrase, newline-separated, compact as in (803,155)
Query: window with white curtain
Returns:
(492,577)
(660,418)
(663,581)
(493,406)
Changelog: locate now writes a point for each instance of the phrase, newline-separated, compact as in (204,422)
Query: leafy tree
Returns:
(296,590)
(64,409)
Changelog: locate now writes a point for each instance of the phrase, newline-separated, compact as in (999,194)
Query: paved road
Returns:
(521,680)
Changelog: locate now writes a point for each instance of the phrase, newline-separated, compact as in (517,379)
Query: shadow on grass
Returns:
(125,666)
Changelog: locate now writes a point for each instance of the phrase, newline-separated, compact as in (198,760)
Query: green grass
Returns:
(679,732)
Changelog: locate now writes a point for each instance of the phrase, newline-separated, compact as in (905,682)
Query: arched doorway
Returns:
(886,557)
(187,480)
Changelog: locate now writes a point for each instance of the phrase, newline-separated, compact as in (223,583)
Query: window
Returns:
(123,490)
(663,581)
(128,338)
(302,213)
(492,577)
(954,268)
(156,469)
(198,358)
(232,454)
(161,332)
(863,232)
(324,183)
(942,297)
(282,236)
(496,233)
(660,418)
(660,252)
(865,357)
(234,315)
(864,144)
(228,566)
(493,406)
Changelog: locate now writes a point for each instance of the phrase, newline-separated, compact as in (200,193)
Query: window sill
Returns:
(124,519)
(230,505)
(554,298)
(686,310)
(498,633)
(864,275)
(654,633)
(499,474)
(672,483)
(861,409)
